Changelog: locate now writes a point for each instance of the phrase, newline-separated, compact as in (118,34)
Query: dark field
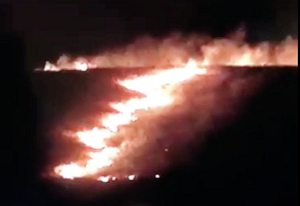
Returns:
(252,161)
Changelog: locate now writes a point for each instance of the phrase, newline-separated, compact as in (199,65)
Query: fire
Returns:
(157,89)
(177,50)
(185,59)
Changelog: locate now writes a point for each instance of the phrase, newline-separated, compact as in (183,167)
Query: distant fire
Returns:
(185,58)
(178,50)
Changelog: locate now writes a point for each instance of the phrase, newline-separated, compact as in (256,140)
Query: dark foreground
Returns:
(251,162)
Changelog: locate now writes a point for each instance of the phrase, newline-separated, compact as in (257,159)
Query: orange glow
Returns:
(178,49)
(185,60)
(157,89)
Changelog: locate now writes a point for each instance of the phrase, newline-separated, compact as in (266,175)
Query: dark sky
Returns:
(49,29)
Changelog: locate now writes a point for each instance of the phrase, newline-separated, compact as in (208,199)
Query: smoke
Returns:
(166,137)
(177,49)
(191,110)
(205,105)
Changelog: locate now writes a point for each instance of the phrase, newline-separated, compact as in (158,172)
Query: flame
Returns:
(157,89)
(185,59)
(177,50)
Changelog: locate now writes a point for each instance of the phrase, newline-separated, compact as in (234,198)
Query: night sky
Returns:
(33,32)
(50,29)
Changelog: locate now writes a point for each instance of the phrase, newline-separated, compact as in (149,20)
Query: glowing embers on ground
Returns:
(107,179)
(157,89)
